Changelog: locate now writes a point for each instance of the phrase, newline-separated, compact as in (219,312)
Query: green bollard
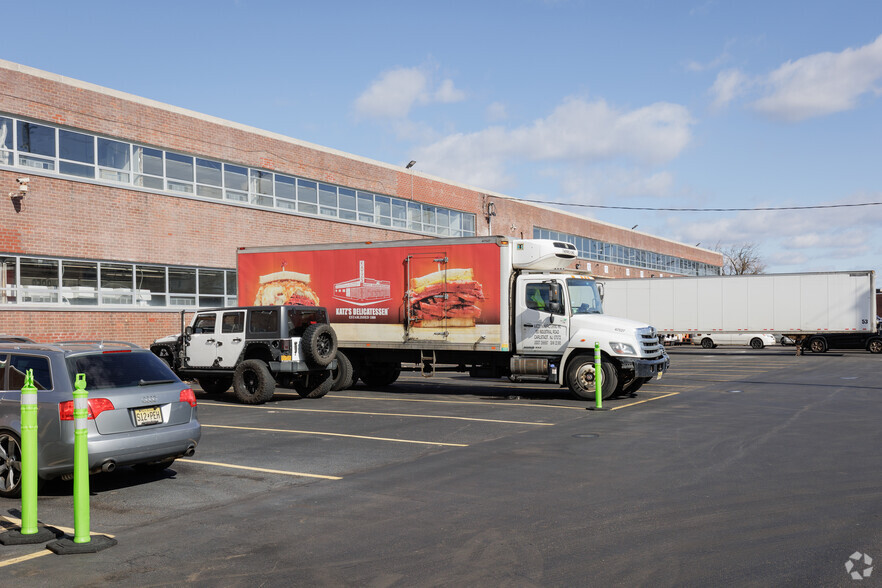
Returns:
(598,380)
(83,541)
(81,460)
(30,531)
(29,455)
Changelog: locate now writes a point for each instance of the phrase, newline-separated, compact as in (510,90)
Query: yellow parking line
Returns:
(642,401)
(15,560)
(337,435)
(393,414)
(263,470)
(495,403)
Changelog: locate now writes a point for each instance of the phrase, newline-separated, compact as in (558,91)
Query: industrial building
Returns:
(119,212)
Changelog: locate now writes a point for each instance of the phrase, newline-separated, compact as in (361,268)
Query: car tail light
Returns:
(188,396)
(95,405)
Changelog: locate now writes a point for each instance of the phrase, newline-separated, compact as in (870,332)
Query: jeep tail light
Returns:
(95,405)
(188,396)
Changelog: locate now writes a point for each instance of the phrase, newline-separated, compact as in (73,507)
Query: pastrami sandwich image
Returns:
(445,298)
(285,287)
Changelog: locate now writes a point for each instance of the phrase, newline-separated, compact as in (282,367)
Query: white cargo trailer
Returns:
(797,305)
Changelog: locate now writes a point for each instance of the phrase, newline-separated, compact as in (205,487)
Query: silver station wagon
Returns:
(140,412)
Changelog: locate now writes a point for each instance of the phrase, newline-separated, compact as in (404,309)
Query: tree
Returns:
(741,259)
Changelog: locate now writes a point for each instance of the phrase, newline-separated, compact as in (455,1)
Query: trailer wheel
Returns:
(757,343)
(380,374)
(818,344)
(314,384)
(215,384)
(580,377)
(253,383)
(319,344)
(343,375)
(874,345)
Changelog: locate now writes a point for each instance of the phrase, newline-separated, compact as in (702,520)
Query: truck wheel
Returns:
(818,345)
(319,344)
(634,385)
(342,376)
(707,343)
(381,374)
(10,465)
(757,343)
(874,346)
(580,377)
(253,383)
(215,384)
(314,384)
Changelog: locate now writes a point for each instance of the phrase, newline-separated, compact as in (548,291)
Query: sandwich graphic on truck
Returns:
(445,298)
(285,287)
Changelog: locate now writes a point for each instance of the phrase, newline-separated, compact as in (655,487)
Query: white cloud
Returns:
(812,86)
(729,85)
(823,83)
(577,131)
(396,91)
(496,112)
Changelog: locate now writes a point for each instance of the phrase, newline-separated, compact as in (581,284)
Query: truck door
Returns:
(202,347)
(541,322)
(231,339)
(428,300)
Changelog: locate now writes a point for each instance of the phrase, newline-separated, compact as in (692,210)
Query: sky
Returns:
(582,104)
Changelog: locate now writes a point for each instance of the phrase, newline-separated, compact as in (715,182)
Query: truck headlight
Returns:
(622,348)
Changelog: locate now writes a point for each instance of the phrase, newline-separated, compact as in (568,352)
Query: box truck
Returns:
(493,306)
(808,308)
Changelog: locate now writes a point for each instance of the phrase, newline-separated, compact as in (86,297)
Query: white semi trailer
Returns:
(803,306)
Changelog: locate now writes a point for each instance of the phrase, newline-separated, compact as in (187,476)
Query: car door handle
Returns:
(219,343)
(237,340)
(209,341)
(529,325)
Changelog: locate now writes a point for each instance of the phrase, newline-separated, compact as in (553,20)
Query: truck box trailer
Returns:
(802,306)
(494,306)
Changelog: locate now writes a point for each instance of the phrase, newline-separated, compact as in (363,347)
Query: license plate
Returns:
(148,416)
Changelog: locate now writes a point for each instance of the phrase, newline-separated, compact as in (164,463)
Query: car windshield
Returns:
(119,370)
(584,297)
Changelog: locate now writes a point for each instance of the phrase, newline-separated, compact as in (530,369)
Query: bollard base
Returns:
(66,546)
(43,535)
(597,408)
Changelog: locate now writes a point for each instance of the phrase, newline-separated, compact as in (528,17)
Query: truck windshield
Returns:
(584,298)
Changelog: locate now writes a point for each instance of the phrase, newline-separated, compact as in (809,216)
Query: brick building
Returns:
(134,210)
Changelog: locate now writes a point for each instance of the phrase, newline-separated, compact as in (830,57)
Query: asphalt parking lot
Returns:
(738,467)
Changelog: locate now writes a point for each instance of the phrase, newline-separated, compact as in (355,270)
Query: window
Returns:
(150,285)
(204,323)
(36,140)
(365,207)
(39,280)
(307,197)
(286,192)
(211,287)
(5,141)
(116,283)
(179,172)
(261,188)
(76,147)
(148,168)
(327,200)
(265,322)
(113,160)
(181,286)
(233,322)
(209,178)
(236,183)
(543,297)
(79,283)
(347,204)
(384,210)
(19,366)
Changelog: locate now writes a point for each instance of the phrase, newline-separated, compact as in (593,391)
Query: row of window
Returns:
(69,282)
(52,149)
(595,250)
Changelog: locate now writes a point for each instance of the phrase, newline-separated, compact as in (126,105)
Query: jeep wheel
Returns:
(342,376)
(215,384)
(314,384)
(319,343)
(253,383)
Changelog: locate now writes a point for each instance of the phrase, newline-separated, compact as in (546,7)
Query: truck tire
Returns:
(634,385)
(818,344)
(580,377)
(707,343)
(874,345)
(380,374)
(757,343)
(253,383)
(215,384)
(314,384)
(342,376)
(319,344)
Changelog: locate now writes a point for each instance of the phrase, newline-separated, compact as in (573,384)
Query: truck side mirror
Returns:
(188,331)
(600,290)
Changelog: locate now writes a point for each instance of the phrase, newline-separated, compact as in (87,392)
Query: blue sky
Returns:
(704,104)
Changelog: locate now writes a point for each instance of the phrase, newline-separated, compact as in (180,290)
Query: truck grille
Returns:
(650,346)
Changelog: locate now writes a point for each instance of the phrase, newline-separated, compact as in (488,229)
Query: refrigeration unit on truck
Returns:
(809,308)
(494,306)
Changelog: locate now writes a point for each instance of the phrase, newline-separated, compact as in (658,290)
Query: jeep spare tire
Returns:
(319,344)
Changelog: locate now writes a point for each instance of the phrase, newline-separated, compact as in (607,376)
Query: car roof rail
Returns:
(99,342)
